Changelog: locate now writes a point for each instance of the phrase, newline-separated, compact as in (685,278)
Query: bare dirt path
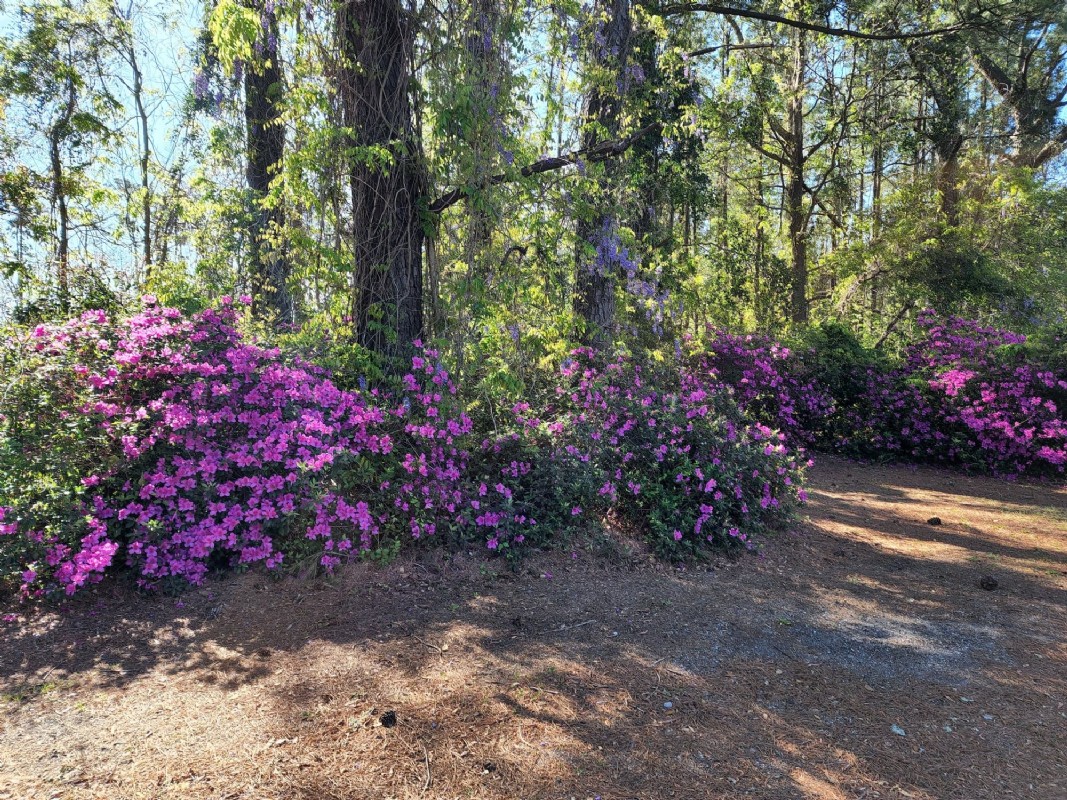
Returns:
(858,657)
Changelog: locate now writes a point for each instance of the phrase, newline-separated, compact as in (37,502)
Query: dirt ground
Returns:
(857,657)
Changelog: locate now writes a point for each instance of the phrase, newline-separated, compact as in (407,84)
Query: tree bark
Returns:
(941,68)
(265,142)
(798,221)
(481,42)
(878,167)
(651,190)
(146,191)
(146,155)
(760,254)
(59,131)
(374,85)
(481,137)
(594,298)
(128,50)
(948,177)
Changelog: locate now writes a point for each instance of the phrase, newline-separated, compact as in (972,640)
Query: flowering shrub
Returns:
(532,489)
(170,444)
(668,451)
(964,394)
(770,383)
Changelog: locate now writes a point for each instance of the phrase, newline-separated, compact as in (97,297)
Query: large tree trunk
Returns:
(758,268)
(594,299)
(265,141)
(941,68)
(375,81)
(481,138)
(482,135)
(647,224)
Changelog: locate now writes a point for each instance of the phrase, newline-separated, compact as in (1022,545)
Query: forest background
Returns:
(510,177)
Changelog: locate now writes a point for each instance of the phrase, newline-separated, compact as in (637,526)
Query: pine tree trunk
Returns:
(59,195)
(948,178)
(58,132)
(146,156)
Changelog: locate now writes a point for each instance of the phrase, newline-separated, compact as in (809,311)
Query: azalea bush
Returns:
(533,489)
(967,394)
(771,383)
(961,393)
(665,449)
(169,444)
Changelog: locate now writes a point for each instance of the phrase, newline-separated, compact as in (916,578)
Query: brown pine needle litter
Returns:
(856,657)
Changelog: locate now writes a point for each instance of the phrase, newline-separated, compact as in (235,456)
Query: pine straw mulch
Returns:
(857,657)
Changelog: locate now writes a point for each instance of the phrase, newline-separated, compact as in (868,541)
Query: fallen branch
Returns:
(703,51)
(893,323)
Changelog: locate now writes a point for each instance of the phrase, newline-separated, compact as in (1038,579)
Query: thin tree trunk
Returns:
(798,235)
(878,159)
(63,235)
(685,227)
(761,216)
(59,195)
(877,175)
(146,155)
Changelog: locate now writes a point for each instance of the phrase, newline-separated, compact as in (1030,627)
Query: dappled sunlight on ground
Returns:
(858,656)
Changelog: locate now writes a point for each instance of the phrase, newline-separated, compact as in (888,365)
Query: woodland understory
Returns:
(289,282)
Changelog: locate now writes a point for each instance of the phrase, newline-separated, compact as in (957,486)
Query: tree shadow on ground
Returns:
(855,656)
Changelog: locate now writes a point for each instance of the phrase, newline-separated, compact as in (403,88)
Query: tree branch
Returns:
(1052,148)
(894,322)
(703,51)
(715,8)
(601,151)
(778,158)
(995,74)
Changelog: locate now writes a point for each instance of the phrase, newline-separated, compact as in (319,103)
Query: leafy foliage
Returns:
(172,444)
(960,393)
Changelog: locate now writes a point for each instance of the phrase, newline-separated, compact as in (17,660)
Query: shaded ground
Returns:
(857,658)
